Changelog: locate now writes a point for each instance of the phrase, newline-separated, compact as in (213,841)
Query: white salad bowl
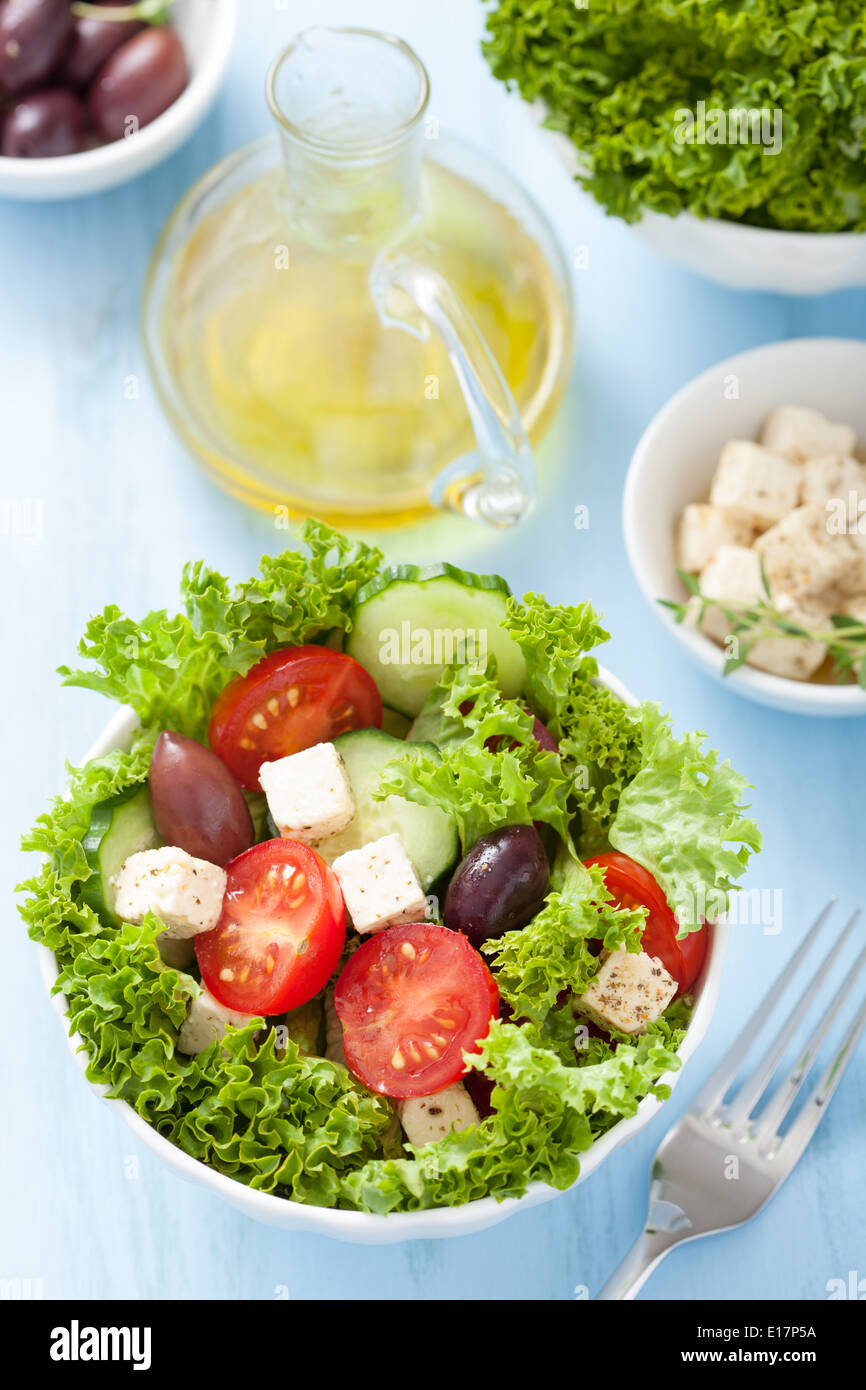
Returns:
(360,1227)
(675,461)
(739,256)
(206,29)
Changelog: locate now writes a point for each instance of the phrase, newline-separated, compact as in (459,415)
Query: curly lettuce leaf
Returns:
(546,1114)
(552,952)
(618,76)
(491,771)
(682,817)
(600,746)
(54,912)
(171,668)
(555,641)
(275,1119)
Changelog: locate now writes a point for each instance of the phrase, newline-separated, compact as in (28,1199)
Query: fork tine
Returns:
(751,1090)
(815,1108)
(789,1090)
(714,1090)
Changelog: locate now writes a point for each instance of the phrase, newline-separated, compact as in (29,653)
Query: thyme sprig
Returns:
(845,638)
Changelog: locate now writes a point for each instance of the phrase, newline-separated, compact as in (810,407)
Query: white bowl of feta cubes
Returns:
(360,1227)
(756,472)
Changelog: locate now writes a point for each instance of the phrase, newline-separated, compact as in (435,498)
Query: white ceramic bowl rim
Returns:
(365,1227)
(811,697)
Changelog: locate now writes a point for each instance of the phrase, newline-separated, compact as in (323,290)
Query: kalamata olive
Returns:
(34,35)
(140,80)
(543,737)
(499,885)
(196,802)
(480,1089)
(93,42)
(44,124)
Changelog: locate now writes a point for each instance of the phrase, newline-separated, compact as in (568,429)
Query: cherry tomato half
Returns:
(634,886)
(290,700)
(282,929)
(411,1001)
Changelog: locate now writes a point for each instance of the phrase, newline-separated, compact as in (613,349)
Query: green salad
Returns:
(387,903)
(747,110)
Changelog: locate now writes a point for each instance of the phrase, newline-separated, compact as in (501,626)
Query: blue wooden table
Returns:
(82,1208)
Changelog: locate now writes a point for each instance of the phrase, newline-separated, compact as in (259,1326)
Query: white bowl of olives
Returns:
(92,95)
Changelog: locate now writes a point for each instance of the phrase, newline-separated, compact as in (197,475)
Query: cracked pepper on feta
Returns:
(427,1118)
(630,991)
(380,885)
(791,509)
(184,892)
(309,795)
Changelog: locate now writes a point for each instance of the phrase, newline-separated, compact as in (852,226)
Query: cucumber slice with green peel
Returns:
(118,828)
(409,623)
(258,808)
(429,834)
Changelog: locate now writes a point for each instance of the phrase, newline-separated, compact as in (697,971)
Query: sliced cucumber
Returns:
(118,828)
(258,808)
(429,834)
(409,623)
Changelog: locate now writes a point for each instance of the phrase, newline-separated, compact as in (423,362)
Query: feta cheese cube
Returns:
(630,990)
(702,530)
(207,1021)
(797,658)
(309,793)
(380,885)
(800,434)
(805,559)
(832,479)
(185,893)
(734,578)
(426,1118)
(754,485)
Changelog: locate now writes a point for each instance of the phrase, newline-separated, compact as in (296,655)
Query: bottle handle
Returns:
(495,482)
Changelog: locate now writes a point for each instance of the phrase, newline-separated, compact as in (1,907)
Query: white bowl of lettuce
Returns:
(730,139)
(290,1137)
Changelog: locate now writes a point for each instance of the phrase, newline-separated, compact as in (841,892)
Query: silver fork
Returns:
(721,1163)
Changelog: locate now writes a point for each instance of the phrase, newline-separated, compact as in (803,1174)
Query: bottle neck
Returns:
(349,105)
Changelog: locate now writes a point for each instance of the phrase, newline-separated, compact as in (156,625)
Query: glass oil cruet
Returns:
(362,319)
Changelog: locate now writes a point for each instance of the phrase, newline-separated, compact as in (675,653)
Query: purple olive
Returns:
(34,35)
(44,124)
(480,1089)
(196,802)
(140,80)
(93,42)
(499,885)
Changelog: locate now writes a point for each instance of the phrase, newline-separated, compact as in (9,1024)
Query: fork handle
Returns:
(630,1276)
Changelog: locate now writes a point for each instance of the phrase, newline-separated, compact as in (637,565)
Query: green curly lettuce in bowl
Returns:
(647,91)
